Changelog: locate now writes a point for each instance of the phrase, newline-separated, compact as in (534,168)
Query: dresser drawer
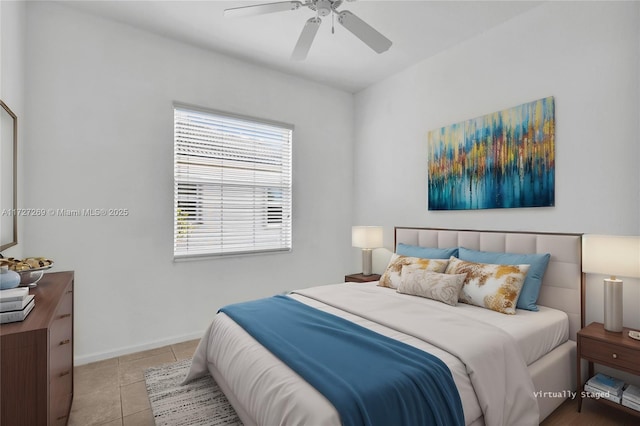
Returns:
(611,355)
(61,355)
(65,308)
(60,333)
(61,371)
(59,410)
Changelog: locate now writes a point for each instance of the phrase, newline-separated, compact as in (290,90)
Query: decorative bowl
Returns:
(31,277)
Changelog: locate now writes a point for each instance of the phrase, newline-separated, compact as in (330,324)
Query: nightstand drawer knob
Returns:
(615,356)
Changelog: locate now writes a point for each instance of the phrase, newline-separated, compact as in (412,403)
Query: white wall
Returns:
(13,19)
(586,55)
(99,103)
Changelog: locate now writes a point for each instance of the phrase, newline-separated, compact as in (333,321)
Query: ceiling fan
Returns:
(351,22)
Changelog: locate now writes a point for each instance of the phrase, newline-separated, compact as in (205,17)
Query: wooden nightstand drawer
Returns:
(612,355)
(360,278)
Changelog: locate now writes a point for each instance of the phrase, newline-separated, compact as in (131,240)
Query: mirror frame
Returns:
(13,145)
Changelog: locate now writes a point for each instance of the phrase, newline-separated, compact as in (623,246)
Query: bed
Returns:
(265,391)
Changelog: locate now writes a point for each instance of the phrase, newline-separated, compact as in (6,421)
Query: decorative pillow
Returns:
(391,276)
(432,285)
(494,287)
(426,252)
(531,287)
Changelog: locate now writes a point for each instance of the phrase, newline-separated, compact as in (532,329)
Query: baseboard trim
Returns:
(87,359)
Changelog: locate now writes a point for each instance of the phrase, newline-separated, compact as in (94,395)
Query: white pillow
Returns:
(432,285)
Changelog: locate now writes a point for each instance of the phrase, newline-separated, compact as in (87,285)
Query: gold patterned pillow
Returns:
(494,287)
(432,285)
(391,276)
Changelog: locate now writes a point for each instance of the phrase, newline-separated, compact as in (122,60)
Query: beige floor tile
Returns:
(185,350)
(134,398)
(133,371)
(117,422)
(111,362)
(89,379)
(144,354)
(93,408)
(142,418)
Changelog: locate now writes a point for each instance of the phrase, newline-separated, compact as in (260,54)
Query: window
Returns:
(232,184)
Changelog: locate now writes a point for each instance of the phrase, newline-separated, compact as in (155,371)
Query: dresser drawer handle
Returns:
(64,342)
(61,418)
(64,316)
(65,373)
(615,356)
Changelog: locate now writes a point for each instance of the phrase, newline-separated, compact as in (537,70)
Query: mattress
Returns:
(253,374)
(536,333)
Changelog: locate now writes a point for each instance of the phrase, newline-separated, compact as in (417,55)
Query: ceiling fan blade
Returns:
(364,31)
(306,38)
(260,9)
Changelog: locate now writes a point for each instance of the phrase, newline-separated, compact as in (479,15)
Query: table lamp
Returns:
(615,256)
(367,238)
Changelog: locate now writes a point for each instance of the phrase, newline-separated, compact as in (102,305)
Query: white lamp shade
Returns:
(367,237)
(611,255)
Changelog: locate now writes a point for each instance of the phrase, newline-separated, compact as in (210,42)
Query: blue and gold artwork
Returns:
(501,160)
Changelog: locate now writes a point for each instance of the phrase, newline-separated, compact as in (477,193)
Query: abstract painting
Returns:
(501,160)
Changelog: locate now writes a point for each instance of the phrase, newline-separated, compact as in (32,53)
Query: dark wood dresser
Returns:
(36,376)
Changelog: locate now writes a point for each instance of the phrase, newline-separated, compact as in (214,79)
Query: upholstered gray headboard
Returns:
(563,283)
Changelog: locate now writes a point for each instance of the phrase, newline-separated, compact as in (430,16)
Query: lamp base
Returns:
(366,262)
(613,305)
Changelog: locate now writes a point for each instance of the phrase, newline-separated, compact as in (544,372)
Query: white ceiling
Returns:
(418,29)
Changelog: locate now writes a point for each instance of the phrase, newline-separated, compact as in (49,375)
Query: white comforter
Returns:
(486,365)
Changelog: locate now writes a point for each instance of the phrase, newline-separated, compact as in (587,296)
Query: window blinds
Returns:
(232,184)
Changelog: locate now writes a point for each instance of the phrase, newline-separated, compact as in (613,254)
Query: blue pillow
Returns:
(531,287)
(426,252)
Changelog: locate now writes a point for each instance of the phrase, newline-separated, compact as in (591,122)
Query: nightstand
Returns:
(359,278)
(615,350)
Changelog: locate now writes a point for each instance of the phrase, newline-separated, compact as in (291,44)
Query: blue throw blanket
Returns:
(370,379)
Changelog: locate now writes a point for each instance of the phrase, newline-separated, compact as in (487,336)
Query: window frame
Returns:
(279,221)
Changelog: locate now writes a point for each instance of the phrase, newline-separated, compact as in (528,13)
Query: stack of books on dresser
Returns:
(15,304)
(607,387)
(631,397)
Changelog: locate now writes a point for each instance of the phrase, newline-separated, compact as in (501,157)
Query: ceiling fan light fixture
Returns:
(324,7)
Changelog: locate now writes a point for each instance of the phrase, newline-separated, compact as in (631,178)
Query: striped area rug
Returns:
(199,403)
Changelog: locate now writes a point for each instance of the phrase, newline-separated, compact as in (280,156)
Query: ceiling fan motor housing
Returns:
(325,7)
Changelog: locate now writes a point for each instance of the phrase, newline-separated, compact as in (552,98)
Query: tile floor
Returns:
(113,393)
